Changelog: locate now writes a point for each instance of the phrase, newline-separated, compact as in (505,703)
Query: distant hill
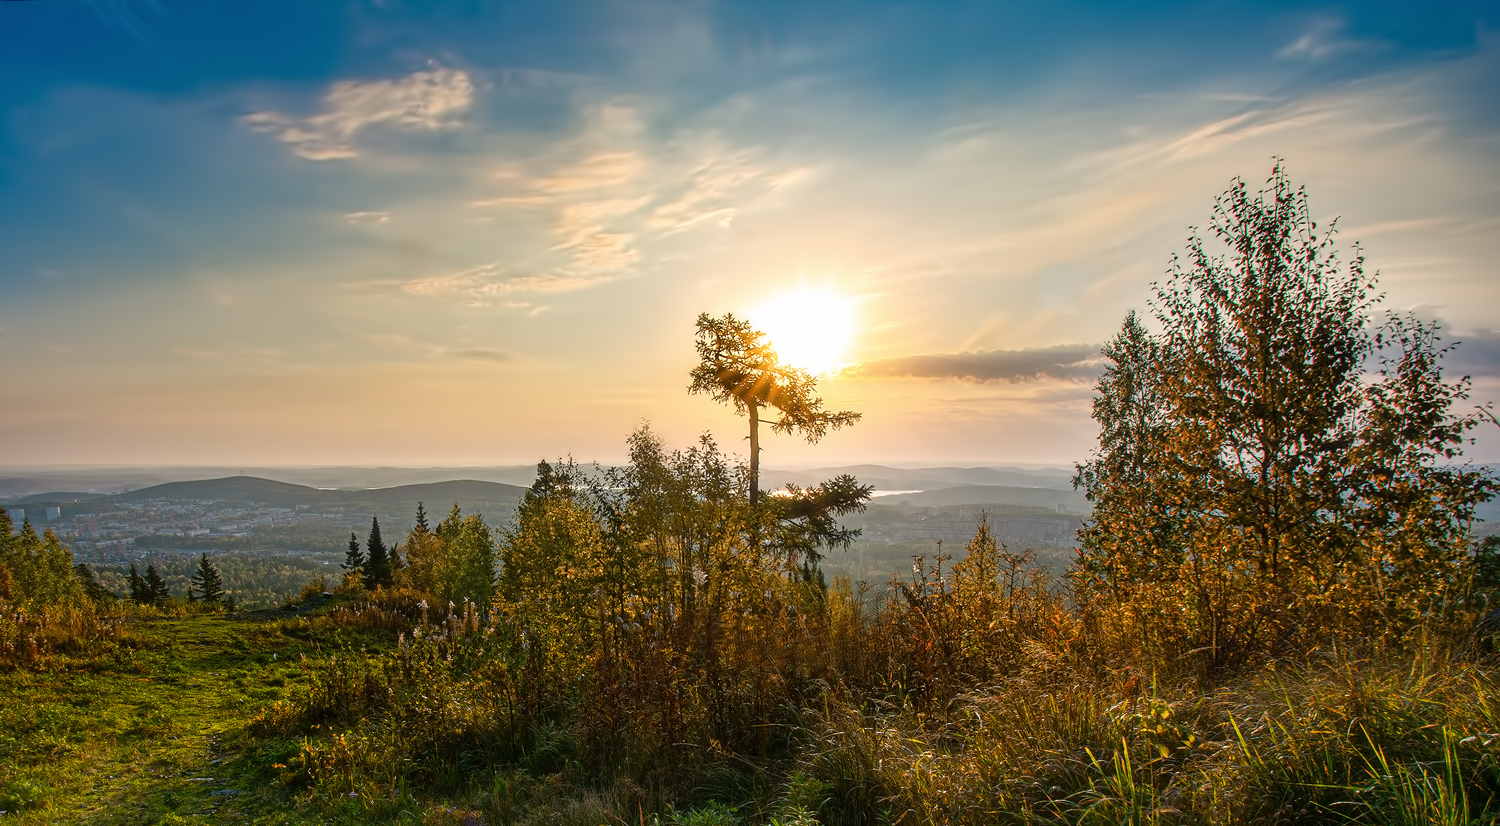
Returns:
(437,496)
(239,489)
(250,490)
(927,478)
(1051,498)
(58,498)
(41,485)
(16,484)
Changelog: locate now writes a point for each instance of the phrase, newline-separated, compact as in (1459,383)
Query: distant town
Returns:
(111,536)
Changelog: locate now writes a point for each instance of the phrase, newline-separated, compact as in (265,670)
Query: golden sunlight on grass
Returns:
(810,327)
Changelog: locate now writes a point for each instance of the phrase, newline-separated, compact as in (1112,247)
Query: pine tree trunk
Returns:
(754,411)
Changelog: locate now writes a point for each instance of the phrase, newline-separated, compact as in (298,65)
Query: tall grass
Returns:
(54,636)
(1330,742)
(958,695)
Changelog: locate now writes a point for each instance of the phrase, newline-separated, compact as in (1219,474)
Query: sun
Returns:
(810,328)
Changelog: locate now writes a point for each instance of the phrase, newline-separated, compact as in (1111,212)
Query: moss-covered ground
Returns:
(153,731)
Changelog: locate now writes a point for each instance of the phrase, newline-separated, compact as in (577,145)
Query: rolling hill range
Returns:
(83,484)
(252,490)
(927,478)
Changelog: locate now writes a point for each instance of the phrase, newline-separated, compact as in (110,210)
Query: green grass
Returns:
(153,733)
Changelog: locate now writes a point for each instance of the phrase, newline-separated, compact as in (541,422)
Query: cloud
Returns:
(432,100)
(367,218)
(616,186)
(1067,362)
(397,341)
(483,284)
(1319,40)
(1476,353)
(484,354)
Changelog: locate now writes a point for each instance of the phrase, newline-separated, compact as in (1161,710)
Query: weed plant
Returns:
(48,637)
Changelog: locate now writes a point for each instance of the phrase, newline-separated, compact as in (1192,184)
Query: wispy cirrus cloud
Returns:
(432,100)
(611,190)
(1323,37)
(367,217)
(1066,362)
(488,284)
(405,343)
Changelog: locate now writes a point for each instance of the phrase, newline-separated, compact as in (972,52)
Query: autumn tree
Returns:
(423,552)
(40,567)
(552,563)
(678,521)
(737,365)
(1272,463)
(466,568)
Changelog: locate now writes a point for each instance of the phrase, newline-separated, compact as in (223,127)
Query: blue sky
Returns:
(479,232)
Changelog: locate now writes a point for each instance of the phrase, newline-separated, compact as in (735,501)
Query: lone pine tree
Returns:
(737,365)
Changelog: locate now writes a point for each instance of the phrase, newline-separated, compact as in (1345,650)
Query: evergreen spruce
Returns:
(208,583)
(140,593)
(378,562)
(91,587)
(354,559)
(156,588)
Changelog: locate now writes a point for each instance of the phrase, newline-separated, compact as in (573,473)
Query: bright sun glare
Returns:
(809,328)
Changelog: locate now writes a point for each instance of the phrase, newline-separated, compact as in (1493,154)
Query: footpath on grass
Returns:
(153,732)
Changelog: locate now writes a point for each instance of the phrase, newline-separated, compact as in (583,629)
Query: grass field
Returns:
(153,729)
(237,719)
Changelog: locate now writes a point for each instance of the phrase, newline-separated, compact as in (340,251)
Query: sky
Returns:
(473,233)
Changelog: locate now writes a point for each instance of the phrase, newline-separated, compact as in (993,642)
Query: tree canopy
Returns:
(1273,459)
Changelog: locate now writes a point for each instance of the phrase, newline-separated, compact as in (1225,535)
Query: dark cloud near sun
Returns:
(1065,362)
(484,354)
(1475,354)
